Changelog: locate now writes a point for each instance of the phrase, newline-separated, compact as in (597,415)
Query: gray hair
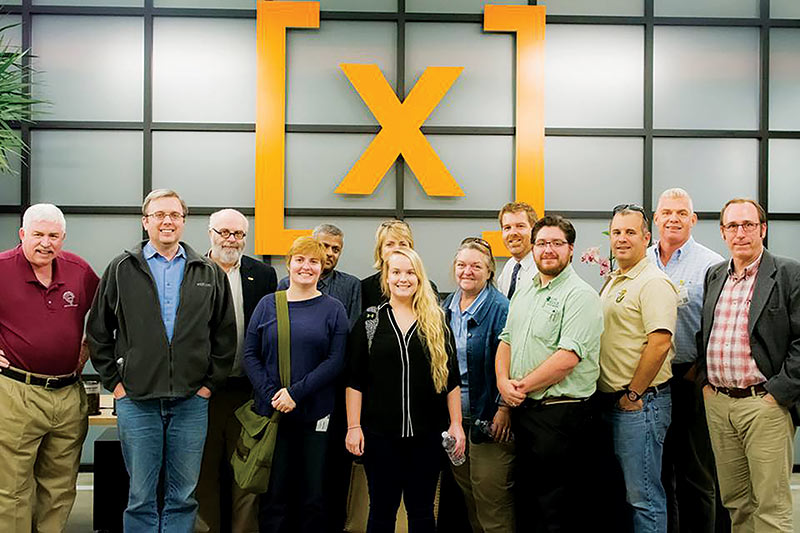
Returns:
(44,213)
(676,192)
(217,214)
(327,229)
(163,193)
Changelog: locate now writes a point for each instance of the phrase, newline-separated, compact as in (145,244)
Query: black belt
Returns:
(657,388)
(49,383)
(747,392)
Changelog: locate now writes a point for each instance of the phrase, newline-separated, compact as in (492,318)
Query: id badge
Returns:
(322,423)
(683,293)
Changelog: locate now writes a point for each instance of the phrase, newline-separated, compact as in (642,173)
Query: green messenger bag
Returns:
(252,459)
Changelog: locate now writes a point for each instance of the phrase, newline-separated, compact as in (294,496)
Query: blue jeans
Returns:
(155,433)
(638,446)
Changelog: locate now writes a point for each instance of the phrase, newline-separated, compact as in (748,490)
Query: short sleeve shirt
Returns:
(564,314)
(41,328)
(635,304)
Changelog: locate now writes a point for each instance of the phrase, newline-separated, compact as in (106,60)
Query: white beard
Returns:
(228,256)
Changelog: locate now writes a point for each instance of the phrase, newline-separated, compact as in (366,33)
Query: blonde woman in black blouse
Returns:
(403,391)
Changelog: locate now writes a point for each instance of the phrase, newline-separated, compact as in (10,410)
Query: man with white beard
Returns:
(223,505)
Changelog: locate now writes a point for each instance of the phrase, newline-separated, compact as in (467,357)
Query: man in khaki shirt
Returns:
(640,309)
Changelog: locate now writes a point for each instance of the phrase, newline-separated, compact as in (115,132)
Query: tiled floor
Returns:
(80,520)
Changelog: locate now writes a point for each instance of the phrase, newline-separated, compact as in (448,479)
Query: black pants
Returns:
(295,501)
(402,467)
(688,472)
(551,447)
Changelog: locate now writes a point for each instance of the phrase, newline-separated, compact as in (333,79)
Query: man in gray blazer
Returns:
(749,365)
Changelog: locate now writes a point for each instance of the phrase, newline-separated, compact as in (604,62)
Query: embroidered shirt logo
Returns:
(203,284)
(69,298)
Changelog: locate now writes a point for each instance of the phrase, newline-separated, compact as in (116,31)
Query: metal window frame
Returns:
(648,133)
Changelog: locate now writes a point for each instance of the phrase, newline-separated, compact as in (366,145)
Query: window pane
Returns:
(12,36)
(110,3)
(782,235)
(706,8)
(785,9)
(589,234)
(207,168)
(196,230)
(594,76)
(481,165)
(100,238)
(705,78)
(10,182)
(197,4)
(454,6)
(711,170)
(318,90)
(483,94)
(90,68)
(9,231)
(784,175)
(326,5)
(317,163)
(595,180)
(784,74)
(204,70)
(78,167)
(593,7)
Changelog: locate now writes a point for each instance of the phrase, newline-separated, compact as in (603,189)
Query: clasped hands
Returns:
(283,402)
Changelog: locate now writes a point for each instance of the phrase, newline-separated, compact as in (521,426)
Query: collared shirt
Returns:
(687,269)
(635,304)
(168,276)
(41,328)
(524,276)
(564,314)
(459,321)
(342,286)
(235,281)
(730,361)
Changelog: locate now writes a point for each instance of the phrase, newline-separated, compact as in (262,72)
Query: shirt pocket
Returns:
(547,325)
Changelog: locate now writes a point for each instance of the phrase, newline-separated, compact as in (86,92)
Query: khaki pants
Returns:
(486,479)
(41,435)
(753,441)
(223,433)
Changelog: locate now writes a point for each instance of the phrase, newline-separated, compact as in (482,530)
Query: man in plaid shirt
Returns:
(749,362)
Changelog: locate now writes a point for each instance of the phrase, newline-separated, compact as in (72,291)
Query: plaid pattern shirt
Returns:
(730,363)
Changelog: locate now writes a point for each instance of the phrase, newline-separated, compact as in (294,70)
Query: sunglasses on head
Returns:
(630,207)
(479,241)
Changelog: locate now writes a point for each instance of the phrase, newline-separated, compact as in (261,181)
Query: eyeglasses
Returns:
(478,241)
(630,207)
(160,215)
(554,244)
(733,227)
(225,233)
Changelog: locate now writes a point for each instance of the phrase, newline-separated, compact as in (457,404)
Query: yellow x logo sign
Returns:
(400,133)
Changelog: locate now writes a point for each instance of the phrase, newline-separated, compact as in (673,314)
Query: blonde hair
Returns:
(430,317)
(518,207)
(306,246)
(391,228)
(472,243)
(674,194)
(163,193)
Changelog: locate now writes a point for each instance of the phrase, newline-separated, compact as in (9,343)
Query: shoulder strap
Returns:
(284,340)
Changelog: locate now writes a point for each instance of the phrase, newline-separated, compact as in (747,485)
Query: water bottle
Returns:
(487,428)
(449,445)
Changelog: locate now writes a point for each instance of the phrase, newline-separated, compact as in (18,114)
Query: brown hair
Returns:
(516,207)
(762,215)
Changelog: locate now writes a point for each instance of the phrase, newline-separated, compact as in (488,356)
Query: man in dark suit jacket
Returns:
(223,505)
(749,364)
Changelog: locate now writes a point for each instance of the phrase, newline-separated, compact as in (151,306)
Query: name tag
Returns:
(322,424)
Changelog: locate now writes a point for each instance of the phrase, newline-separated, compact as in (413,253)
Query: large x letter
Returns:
(400,133)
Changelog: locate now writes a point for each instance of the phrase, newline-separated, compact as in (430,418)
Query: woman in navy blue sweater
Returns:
(319,325)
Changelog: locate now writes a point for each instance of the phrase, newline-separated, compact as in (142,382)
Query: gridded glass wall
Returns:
(640,95)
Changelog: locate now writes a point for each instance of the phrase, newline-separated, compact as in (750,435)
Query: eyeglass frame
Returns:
(736,225)
(630,207)
(229,233)
(551,244)
(178,216)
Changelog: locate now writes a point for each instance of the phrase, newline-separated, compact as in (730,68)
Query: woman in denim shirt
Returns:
(476,312)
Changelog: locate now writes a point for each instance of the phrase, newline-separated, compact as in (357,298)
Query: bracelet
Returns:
(353,427)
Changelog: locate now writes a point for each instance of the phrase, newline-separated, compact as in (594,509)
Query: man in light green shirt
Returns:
(547,367)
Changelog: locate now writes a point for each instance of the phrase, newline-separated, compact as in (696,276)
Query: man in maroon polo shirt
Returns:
(46,295)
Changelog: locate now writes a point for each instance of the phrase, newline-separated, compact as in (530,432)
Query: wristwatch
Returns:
(632,395)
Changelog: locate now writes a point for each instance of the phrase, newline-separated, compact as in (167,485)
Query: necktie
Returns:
(513,286)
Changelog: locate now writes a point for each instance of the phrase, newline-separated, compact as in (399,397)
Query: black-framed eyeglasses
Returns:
(630,207)
(479,241)
(161,215)
(225,233)
(733,227)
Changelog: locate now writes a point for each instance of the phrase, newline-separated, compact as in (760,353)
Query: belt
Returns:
(48,382)
(556,400)
(657,388)
(747,392)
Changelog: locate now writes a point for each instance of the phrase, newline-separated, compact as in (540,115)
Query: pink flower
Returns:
(605,267)
(590,255)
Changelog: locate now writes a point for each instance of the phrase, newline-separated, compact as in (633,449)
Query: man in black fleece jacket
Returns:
(162,335)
